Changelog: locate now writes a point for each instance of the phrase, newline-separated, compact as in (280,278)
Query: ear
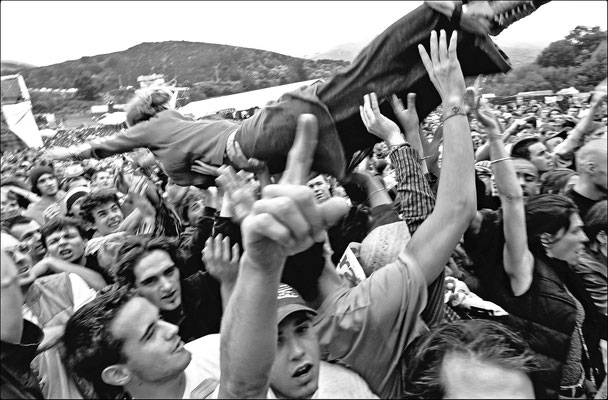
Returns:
(546,240)
(116,375)
(590,168)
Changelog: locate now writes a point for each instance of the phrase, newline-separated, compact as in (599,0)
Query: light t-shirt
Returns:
(368,327)
(335,381)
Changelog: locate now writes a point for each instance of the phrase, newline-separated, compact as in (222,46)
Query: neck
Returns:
(172,388)
(52,198)
(588,189)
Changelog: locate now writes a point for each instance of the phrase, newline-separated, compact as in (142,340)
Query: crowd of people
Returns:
(386,248)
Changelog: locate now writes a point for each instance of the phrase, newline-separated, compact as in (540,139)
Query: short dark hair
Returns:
(521,148)
(596,219)
(190,198)
(547,213)
(96,199)
(59,224)
(487,341)
(88,341)
(136,248)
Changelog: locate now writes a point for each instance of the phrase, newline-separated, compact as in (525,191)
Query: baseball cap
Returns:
(290,301)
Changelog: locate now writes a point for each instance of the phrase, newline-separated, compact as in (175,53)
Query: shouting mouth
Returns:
(302,371)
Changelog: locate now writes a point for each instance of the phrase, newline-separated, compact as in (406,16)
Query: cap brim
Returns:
(288,309)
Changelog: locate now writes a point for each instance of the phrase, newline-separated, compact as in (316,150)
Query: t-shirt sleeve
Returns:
(368,327)
(81,292)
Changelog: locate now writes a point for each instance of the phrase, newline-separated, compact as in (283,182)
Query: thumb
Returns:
(411,101)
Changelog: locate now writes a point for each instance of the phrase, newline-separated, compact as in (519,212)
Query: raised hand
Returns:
(443,67)
(408,118)
(376,123)
(237,193)
(490,122)
(221,261)
(288,220)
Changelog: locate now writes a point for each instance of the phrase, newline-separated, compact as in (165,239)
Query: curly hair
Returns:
(136,248)
(89,346)
(483,340)
(96,199)
(146,104)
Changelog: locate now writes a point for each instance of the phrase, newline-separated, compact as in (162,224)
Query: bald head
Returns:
(592,152)
(591,164)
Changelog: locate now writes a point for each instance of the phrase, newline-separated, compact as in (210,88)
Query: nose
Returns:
(169,329)
(296,350)
(584,237)
(165,284)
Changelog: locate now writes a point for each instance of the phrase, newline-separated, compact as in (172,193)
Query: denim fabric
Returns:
(389,64)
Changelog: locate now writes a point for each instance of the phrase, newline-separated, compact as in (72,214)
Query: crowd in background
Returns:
(119,283)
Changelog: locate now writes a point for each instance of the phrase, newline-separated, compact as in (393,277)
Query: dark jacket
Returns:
(546,314)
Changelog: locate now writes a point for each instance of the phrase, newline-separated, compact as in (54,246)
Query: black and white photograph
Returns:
(304,199)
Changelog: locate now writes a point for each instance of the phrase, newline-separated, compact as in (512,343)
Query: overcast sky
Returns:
(49,32)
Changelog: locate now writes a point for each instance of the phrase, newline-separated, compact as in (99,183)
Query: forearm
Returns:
(11,320)
(504,172)
(415,196)
(249,332)
(92,278)
(377,193)
(483,152)
(455,205)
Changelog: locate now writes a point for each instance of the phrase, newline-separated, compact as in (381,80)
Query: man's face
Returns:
(295,372)
(29,235)
(540,157)
(108,218)
(152,347)
(8,203)
(464,377)
(599,177)
(527,176)
(47,185)
(103,180)
(157,279)
(66,244)
(320,187)
(23,261)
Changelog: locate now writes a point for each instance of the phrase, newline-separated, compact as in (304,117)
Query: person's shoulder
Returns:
(337,381)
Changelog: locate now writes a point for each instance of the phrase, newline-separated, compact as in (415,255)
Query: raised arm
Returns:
(518,261)
(432,244)
(576,137)
(286,221)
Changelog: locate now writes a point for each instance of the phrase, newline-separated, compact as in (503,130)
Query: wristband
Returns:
(455,110)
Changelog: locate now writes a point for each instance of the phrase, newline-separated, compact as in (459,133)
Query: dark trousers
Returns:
(389,64)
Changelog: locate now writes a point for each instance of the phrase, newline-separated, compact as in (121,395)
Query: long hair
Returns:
(146,104)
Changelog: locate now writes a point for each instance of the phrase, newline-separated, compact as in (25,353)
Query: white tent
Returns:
(17,110)
(240,101)
(570,90)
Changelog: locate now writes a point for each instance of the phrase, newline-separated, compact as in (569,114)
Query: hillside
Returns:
(8,67)
(236,68)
